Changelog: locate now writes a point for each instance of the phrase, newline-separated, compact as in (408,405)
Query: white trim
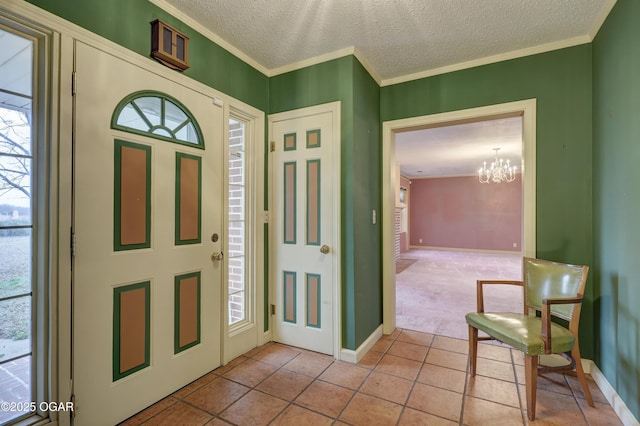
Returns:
(335,109)
(626,416)
(604,13)
(389,128)
(173,11)
(349,355)
(534,50)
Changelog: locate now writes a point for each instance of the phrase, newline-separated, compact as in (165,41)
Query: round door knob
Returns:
(217,256)
(325,249)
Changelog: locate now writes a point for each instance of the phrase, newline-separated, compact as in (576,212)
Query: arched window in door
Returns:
(159,116)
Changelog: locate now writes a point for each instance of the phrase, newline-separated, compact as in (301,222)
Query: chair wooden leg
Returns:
(531,379)
(473,349)
(575,354)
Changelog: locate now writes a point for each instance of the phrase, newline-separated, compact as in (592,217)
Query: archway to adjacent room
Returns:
(525,108)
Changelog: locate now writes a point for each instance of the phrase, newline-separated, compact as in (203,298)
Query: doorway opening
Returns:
(391,181)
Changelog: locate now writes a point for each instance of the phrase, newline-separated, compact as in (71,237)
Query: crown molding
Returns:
(175,12)
(556,45)
(606,10)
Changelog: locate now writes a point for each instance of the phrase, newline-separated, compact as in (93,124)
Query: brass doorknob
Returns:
(325,249)
(215,256)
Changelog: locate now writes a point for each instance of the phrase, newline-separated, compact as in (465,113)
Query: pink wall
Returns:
(460,212)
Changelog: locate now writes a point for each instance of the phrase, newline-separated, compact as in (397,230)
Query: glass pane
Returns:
(130,117)
(180,47)
(16,57)
(188,134)
(174,116)
(15,268)
(236,307)
(166,40)
(236,167)
(15,130)
(162,132)
(236,239)
(15,327)
(15,377)
(151,108)
(15,190)
(236,203)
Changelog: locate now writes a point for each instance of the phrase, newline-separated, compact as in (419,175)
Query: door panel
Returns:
(147,296)
(304,249)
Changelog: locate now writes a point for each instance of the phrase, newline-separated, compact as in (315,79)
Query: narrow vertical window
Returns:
(236,235)
(17,232)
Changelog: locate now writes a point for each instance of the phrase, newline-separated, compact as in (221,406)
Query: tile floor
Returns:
(407,378)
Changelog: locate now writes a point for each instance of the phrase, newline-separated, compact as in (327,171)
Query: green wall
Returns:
(345,80)
(127,23)
(561,82)
(616,156)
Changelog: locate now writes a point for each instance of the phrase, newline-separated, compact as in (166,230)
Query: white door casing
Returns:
(164,276)
(304,231)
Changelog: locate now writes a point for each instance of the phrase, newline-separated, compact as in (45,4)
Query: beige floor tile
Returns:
(482,412)
(400,367)
(383,344)
(494,390)
(191,387)
(442,377)
(217,395)
(411,417)
(285,384)
(601,414)
(408,350)
(250,372)
(146,414)
(297,416)
(450,344)
(325,398)
(255,408)
(387,387)
(309,363)
(555,407)
(415,337)
(179,414)
(436,401)
(447,359)
(496,369)
(277,355)
(494,352)
(345,374)
(370,359)
(368,410)
(230,365)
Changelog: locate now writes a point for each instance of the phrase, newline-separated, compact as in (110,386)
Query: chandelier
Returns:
(499,171)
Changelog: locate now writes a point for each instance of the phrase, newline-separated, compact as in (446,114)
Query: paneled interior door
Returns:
(304,254)
(146,291)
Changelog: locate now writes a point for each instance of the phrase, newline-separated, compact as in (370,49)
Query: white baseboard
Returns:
(349,355)
(626,416)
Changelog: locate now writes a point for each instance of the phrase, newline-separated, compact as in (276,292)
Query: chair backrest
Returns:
(544,279)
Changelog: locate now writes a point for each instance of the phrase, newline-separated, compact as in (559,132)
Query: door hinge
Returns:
(73,243)
(272,146)
(266,216)
(74,83)
(272,309)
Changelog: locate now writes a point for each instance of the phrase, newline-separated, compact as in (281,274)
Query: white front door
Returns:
(304,237)
(146,292)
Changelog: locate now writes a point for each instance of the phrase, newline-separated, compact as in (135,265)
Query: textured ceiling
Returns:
(459,150)
(393,38)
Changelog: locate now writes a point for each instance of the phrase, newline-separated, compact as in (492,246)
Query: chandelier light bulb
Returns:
(500,171)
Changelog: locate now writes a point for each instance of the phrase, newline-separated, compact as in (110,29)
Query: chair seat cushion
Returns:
(521,331)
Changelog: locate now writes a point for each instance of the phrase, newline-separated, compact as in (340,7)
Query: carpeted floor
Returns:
(434,293)
(403,263)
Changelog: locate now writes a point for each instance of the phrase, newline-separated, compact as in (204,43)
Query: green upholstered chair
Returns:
(553,290)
